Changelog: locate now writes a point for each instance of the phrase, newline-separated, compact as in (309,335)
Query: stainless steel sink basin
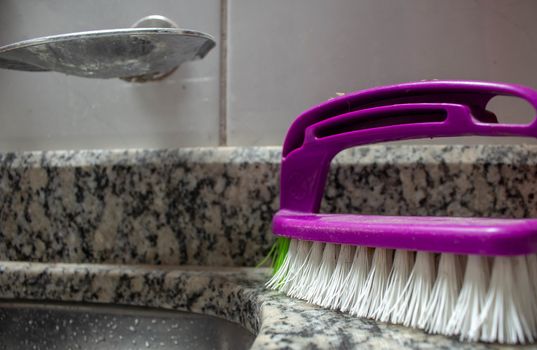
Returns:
(26,325)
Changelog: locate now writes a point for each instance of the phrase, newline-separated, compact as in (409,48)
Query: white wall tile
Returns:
(54,111)
(287,55)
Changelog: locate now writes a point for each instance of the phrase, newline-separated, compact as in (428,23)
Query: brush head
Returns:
(475,298)
(482,236)
(346,262)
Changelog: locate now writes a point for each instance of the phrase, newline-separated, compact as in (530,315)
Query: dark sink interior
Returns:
(28,325)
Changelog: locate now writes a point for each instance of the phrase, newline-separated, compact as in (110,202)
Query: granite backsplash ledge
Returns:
(213,206)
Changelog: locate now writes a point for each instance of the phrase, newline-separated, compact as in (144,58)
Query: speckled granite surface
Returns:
(236,294)
(188,206)
(213,206)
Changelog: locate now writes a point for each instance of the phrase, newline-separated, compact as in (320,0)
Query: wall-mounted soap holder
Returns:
(151,50)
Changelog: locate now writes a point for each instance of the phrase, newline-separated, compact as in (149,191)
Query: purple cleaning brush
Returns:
(471,277)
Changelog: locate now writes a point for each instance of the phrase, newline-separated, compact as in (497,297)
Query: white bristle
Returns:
(469,305)
(416,294)
(532,271)
(297,263)
(526,300)
(444,295)
(501,316)
(497,304)
(279,276)
(297,276)
(371,294)
(355,279)
(308,273)
(336,285)
(531,263)
(328,265)
(402,265)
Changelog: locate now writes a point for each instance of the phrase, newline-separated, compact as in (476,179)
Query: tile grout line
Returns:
(222,106)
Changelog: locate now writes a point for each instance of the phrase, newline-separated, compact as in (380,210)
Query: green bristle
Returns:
(279,254)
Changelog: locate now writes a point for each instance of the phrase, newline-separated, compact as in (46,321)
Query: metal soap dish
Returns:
(151,50)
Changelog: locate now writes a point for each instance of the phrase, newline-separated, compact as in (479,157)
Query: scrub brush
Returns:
(474,278)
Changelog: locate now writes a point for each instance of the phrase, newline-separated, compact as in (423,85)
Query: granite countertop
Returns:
(123,226)
(236,294)
(214,206)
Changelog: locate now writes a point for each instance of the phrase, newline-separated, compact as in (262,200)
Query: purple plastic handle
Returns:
(305,168)
(474,94)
